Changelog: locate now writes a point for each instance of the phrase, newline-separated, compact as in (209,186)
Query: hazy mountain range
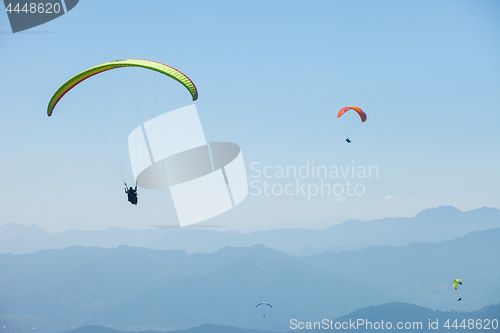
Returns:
(369,318)
(131,287)
(431,225)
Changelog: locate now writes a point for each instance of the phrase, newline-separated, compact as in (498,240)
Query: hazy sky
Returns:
(271,77)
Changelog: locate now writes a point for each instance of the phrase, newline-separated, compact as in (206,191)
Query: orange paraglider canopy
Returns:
(358,110)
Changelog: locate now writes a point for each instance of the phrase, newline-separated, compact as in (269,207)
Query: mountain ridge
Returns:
(430,225)
(137,286)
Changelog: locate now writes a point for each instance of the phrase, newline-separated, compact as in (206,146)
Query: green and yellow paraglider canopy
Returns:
(457,282)
(147,64)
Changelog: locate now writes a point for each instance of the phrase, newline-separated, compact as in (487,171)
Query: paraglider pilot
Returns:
(347,140)
(132,194)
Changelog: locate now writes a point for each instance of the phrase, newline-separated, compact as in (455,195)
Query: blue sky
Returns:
(271,77)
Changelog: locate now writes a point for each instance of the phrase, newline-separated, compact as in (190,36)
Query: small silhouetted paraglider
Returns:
(361,113)
(457,282)
(264,303)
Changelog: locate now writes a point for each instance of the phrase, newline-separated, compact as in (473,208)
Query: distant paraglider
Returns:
(361,113)
(457,282)
(264,303)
